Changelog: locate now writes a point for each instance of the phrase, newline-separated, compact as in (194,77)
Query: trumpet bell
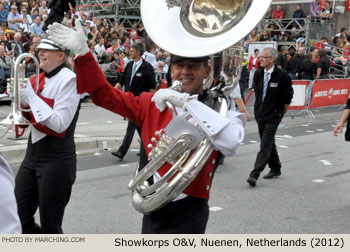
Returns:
(201,27)
(17,81)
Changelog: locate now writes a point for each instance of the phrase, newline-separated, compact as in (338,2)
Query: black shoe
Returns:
(118,154)
(272,174)
(251,181)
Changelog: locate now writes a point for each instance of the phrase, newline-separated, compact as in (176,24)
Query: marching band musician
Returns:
(190,211)
(48,171)
(253,65)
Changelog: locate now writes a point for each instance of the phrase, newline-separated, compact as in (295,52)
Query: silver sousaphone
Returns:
(191,28)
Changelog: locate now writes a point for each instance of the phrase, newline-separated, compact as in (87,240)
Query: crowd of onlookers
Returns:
(21,30)
(110,42)
(324,55)
(274,19)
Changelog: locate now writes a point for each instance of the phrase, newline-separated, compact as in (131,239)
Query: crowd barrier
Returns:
(299,101)
(327,93)
(310,95)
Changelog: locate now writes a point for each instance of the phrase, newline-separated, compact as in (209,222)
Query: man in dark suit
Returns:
(273,94)
(138,77)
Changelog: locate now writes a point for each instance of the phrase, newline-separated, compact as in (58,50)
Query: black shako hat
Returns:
(177,59)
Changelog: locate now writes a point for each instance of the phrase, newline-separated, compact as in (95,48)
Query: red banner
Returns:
(329,93)
(347,5)
(299,97)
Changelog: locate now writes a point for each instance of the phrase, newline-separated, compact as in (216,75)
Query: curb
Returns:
(15,154)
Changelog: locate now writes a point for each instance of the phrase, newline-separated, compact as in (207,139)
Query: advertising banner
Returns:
(329,93)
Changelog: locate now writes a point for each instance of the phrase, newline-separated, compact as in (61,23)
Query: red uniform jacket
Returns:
(251,60)
(138,109)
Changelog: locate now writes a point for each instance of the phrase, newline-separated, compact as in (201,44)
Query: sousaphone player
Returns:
(189,211)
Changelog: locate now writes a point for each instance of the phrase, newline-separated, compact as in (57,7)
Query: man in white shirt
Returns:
(14,19)
(48,171)
(24,13)
(148,56)
(37,27)
(100,48)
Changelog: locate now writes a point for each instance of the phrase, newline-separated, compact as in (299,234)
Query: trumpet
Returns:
(16,82)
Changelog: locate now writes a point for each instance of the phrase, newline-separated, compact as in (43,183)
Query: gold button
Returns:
(207,187)
(213,161)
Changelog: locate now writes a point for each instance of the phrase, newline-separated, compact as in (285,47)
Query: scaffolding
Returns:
(124,11)
(294,28)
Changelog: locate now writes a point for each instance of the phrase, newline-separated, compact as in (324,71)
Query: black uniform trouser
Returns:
(45,180)
(186,216)
(268,152)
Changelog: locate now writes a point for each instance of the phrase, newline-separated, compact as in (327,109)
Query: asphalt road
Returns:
(311,196)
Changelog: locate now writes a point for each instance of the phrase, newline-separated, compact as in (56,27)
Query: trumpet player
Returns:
(189,212)
(48,171)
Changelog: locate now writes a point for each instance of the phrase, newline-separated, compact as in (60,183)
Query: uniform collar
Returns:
(55,71)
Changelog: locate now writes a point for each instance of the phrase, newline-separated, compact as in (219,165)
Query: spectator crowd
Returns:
(110,42)
(319,11)
(320,57)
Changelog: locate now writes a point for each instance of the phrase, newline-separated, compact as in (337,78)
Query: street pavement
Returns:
(311,196)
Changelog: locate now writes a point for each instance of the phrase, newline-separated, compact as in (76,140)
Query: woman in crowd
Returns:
(307,68)
(265,36)
(253,36)
(337,53)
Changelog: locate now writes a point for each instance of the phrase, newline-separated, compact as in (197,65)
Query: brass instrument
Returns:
(17,81)
(191,28)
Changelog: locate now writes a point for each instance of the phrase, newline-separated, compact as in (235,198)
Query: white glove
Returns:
(26,94)
(69,38)
(174,97)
